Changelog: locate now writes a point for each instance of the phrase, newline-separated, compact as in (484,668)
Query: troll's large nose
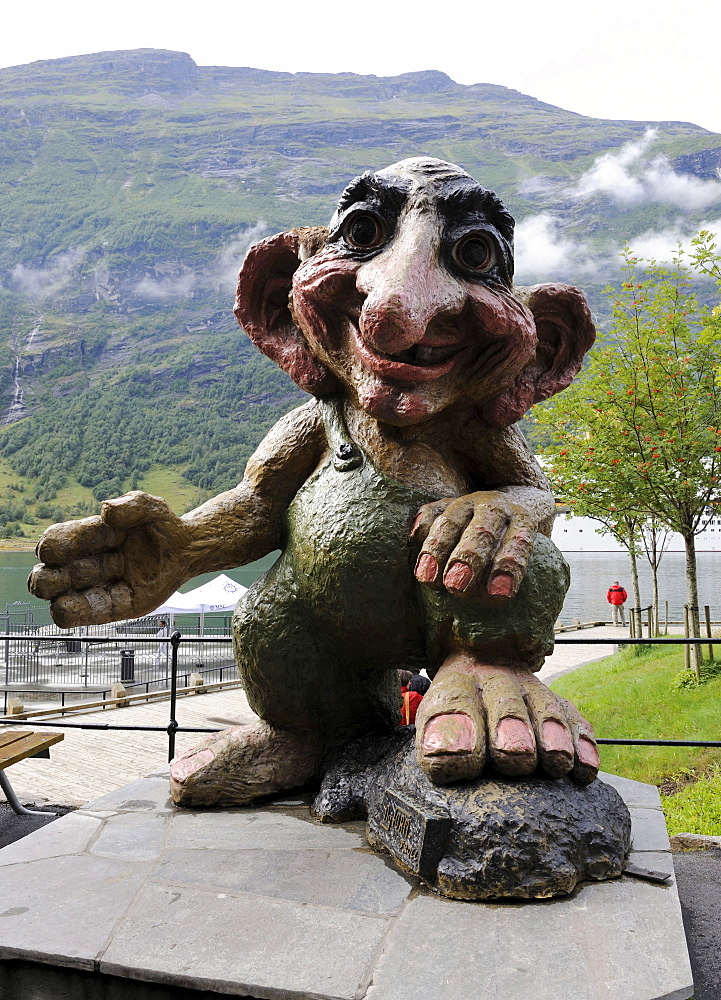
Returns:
(407,288)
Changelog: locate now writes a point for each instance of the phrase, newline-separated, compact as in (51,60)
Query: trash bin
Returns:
(127,665)
(73,646)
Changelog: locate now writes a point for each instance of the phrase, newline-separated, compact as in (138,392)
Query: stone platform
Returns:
(267,903)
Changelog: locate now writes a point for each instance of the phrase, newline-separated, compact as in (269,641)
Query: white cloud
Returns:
(663,245)
(532,186)
(630,178)
(221,273)
(41,283)
(166,289)
(224,274)
(663,184)
(659,246)
(610,174)
(541,250)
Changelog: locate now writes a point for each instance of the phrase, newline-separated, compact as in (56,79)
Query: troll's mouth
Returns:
(416,364)
(421,356)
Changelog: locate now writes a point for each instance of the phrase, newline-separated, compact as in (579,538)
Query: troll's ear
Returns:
(261,305)
(565,332)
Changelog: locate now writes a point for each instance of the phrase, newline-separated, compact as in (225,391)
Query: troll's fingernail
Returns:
(514,736)
(501,585)
(458,576)
(588,752)
(452,733)
(556,737)
(426,568)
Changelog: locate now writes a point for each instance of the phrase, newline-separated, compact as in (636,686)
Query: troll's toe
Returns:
(450,748)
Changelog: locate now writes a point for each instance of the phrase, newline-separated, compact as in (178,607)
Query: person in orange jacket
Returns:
(412,697)
(617,597)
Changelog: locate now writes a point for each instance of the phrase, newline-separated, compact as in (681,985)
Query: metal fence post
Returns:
(707,614)
(175,641)
(85,665)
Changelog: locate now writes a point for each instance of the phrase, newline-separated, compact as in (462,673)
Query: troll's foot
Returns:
(238,765)
(475,713)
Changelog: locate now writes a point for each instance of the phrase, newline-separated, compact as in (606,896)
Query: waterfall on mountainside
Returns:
(16,410)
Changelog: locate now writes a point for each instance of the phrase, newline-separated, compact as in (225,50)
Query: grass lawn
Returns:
(633,696)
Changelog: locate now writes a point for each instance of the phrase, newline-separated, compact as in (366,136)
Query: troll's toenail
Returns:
(514,736)
(588,752)
(426,568)
(458,576)
(501,585)
(454,733)
(556,737)
(182,767)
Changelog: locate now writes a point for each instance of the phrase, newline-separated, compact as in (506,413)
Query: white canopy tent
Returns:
(220,594)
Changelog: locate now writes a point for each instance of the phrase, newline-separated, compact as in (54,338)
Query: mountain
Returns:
(131,184)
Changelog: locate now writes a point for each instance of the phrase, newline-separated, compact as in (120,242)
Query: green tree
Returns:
(641,423)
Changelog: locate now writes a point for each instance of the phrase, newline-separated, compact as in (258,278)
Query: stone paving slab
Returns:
(62,911)
(53,841)
(243,944)
(610,940)
(264,902)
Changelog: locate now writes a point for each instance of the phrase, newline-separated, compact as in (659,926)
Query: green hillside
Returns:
(131,184)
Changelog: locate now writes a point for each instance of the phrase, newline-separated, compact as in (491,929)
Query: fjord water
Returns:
(15,566)
(592,573)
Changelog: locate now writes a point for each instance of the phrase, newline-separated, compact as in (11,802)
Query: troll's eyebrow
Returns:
(474,200)
(370,187)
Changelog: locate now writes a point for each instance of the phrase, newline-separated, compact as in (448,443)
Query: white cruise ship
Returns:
(581,534)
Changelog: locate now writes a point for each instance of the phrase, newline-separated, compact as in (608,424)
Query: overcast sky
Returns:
(654,60)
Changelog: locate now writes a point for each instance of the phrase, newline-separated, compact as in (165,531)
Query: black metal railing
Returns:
(75,697)
(173,727)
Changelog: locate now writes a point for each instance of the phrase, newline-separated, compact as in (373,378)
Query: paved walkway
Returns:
(566,658)
(90,763)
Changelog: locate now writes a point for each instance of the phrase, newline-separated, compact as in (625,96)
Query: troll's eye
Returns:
(475,252)
(363,231)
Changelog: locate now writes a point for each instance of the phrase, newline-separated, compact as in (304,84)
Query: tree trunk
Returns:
(655,540)
(654,585)
(633,560)
(692,592)
(654,559)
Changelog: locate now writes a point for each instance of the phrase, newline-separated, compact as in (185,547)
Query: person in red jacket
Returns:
(412,697)
(617,597)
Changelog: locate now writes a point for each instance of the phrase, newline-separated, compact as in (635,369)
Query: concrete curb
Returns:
(694,842)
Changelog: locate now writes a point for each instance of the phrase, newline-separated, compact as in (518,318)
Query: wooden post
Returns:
(707,613)
(118,690)
(686,649)
(197,683)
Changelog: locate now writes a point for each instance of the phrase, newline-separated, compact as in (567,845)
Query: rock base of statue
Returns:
(531,838)
(261,901)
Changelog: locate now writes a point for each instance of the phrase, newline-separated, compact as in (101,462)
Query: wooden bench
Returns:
(15,745)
